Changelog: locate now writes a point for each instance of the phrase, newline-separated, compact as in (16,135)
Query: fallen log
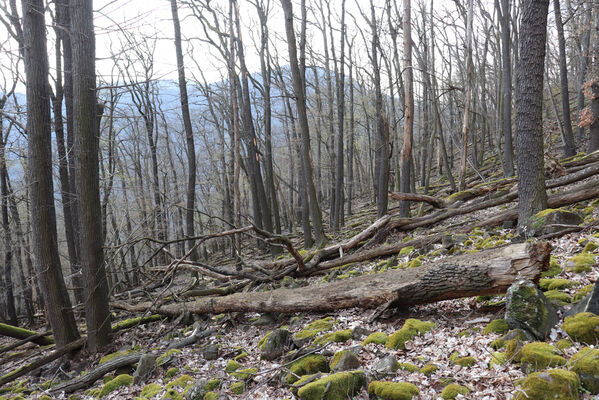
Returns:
(433,201)
(21,342)
(487,272)
(20,333)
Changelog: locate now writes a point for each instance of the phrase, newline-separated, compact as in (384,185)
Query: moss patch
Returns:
(582,327)
(551,284)
(393,390)
(540,355)
(313,329)
(339,337)
(150,390)
(582,262)
(244,374)
(341,385)
(496,326)
(465,361)
(182,382)
(376,338)
(407,367)
(560,298)
(237,387)
(554,384)
(166,357)
(119,381)
(411,328)
(310,364)
(112,356)
(452,390)
(429,369)
(582,293)
(554,268)
(586,364)
(502,341)
(171,372)
(497,358)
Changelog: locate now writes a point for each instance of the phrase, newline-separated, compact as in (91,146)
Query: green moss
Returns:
(554,384)
(307,365)
(212,384)
(559,297)
(465,361)
(582,262)
(551,284)
(313,329)
(232,365)
(114,355)
(428,369)
(496,326)
(414,263)
(411,328)
(582,327)
(45,397)
(210,396)
(582,292)
(564,344)
(590,246)
(237,388)
(586,364)
(337,386)
(166,357)
(554,269)
(119,381)
(171,372)
(406,250)
(182,382)
(502,341)
(150,390)
(241,355)
(244,374)
(393,390)
(107,378)
(513,350)
(497,358)
(451,391)
(408,367)
(130,322)
(262,341)
(172,394)
(540,355)
(339,337)
(376,338)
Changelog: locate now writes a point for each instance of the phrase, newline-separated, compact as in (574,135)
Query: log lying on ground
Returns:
(20,333)
(21,342)
(487,272)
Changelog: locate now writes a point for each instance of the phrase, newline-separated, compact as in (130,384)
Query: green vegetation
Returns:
(496,326)
(411,328)
(341,385)
(452,390)
(119,381)
(582,327)
(376,338)
(554,384)
(393,390)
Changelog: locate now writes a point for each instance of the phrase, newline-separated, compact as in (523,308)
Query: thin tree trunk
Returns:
(406,151)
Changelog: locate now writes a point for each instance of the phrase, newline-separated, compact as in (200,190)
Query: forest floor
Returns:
(459,327)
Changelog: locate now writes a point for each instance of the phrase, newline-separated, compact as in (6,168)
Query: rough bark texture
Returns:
(85,128)
(406,151)
(41,189)
(487,272)
(529,108)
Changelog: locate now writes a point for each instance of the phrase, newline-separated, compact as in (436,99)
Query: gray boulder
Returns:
(274,345)
(590,303)
(546,221)
(386,365)
(528,309)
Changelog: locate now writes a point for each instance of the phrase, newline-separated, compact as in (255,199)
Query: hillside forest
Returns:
(311,199)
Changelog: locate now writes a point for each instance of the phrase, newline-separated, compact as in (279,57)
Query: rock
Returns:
(357,349)
(358,332)
(342,385)
(393,390)
(539,355)
(344,361)
(386,365)
(312,330)
(586,364)
(376,338)
(307,365)
(590,303)
(541,223)
(583,327)
(211,352)
(411,328)
(145,367)
(496,326)
(548,385)
(274,343)
(502,341)
(528,309)
(582,262)
(452,390)
(197,390)
(265,319)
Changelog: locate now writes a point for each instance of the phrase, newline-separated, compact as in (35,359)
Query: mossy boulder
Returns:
(451,391)
(552,284)
(545,221)
(554,384)
(150,390)
(307,365)
(237,388)
(502,341)
(554,268)
(312,330)
(112,385)
(513,350)
(407,367)
(172,394)
(232,366)
(586,364)
(497,358)
(582,327)
(411,328)
(539,355)
(167,357)
(344,360)
(582,293)
(171,373)
(210,396)
(582,262)
(496,326)
(244,374)
(376,338)
(339,386)
(465,362)
(557,297)
(429,369)
(274,343)
(528,309)
(393,390)
(338,336)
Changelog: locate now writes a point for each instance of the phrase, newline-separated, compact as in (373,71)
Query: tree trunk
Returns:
(467,95)
(506,69)
(86,132)
(43,217)
(339,219)
(529,107)
(408,127)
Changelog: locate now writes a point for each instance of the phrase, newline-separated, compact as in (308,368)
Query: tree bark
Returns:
(408,127)
(86,132)
(506,69)
(529,109)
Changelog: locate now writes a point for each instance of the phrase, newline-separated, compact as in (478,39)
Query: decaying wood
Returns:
(20,333)
(21,342)
(433,201)
(486,272)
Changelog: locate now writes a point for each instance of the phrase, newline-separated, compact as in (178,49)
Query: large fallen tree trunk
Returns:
(20,333)
(486,272)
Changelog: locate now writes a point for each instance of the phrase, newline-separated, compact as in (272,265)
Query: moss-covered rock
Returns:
(590,246)
(307,365)
(172,394)
(582,293)
(496,326)
(528,309)
(406,250)
(339,386)
(451,391)
(244,374)
(564,344)
(344,360)
(583,327)
(119,381)
(586,364)
(582,262)
(554,384)
(273,344)
(392,390)
(312,330)
(167,357)
(539,355)
(407,367)
(513,350)
(237,388)
(338,336)
(232,366)
(150,390)
(210,396)
(212,384)
(429,369)
(502,341)
(376,338)
(467,361)
(551,284)
(544,221)
(554,268)
(497,358)
(411,328)
(171,373)
(560,298)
